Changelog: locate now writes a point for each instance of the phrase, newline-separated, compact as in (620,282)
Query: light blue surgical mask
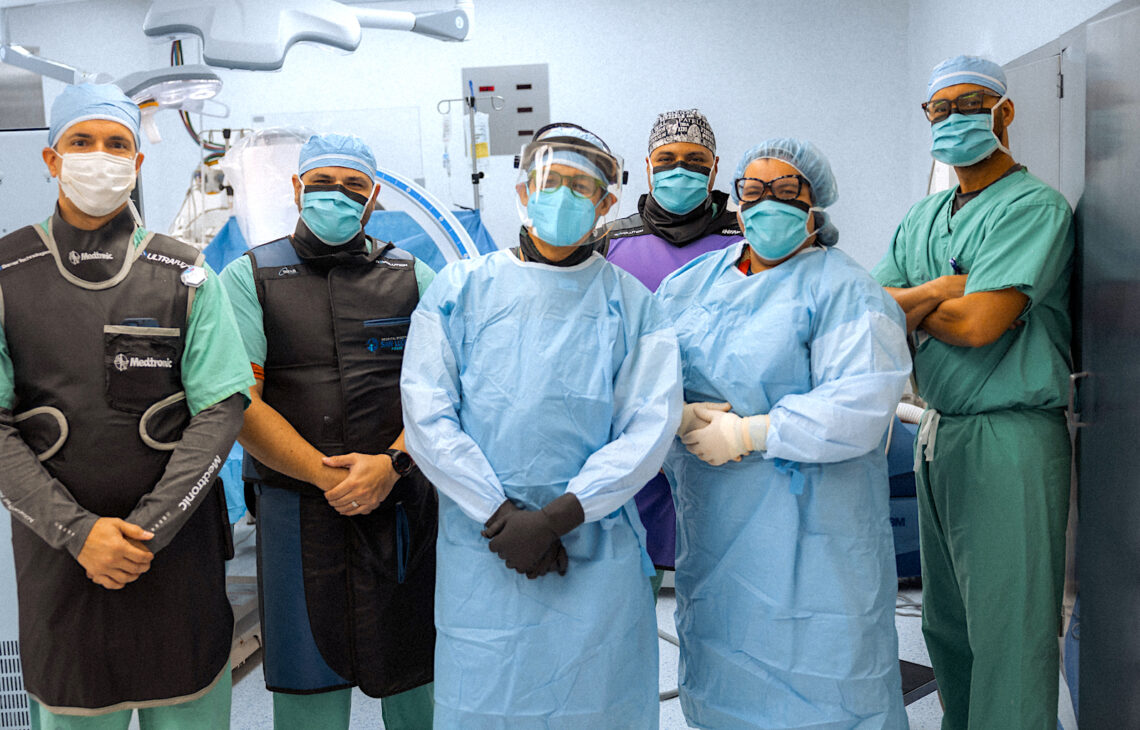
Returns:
(775,230)
(560,217)
(679,189)
(962,140)
(332,212)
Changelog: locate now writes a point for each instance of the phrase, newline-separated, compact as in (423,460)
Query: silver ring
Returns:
(355,505)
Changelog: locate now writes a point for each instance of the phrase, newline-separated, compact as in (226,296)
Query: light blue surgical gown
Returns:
(526,381)
(785,563)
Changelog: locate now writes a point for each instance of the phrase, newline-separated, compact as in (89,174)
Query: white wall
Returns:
(756,69)
(1002,31)
(849,76)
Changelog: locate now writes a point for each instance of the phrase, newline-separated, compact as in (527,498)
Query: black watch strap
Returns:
(401,461)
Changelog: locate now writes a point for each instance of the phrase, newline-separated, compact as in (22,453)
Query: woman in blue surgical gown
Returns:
(793,362)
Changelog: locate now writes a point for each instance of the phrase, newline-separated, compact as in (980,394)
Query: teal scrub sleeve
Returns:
(647,410)
(891,269)
(430,397)
(237,278)
(1028,247)
(214,362)
(859,367)
(424,276)
(7,374)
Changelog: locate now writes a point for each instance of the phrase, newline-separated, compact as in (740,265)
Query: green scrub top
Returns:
(1017,233)
(214,365)
(238,279)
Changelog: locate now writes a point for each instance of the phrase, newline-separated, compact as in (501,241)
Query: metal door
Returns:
(1109,234)
(1035,133)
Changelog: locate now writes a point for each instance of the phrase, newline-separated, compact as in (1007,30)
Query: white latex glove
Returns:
(728,437)
(690,419)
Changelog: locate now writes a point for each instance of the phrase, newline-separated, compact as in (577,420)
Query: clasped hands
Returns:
(530,541)
(114,553)
(716,435)
(358,483)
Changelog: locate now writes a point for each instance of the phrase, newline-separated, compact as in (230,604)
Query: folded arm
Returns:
(918,302)
(975,320)
(859,369)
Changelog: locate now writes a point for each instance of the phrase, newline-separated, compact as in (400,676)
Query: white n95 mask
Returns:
(97,182)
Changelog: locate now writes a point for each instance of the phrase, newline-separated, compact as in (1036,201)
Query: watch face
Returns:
(401,462)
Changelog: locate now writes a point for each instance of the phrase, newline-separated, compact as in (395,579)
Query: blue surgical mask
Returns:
(332,212)
(560,217)
(774,230)
(680,189)
(962,140)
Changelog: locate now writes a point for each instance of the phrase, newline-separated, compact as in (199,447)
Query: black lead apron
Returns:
(97,378)
(335,324)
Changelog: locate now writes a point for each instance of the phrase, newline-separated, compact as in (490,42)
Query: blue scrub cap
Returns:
(82,102)
(594,158)
(800,154)
(805,157)
(966,70)
(337,150)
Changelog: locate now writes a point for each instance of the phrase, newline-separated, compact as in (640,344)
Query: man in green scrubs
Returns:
(122,388)
(982,272)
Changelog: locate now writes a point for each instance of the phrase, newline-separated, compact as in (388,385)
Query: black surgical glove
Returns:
(528,540)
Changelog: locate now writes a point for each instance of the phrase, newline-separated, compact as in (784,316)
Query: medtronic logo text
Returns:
(76,257)
(123,362)
(202,483)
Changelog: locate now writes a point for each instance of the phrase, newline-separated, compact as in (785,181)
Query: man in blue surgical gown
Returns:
(541,389)
(785,563)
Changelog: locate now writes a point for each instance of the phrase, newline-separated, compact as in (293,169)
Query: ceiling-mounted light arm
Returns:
(256,35)
(21,57)
(444,25)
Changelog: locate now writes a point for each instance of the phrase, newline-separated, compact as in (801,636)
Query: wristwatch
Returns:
(401,461)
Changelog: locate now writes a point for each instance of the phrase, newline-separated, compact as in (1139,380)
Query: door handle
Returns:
(1074,416)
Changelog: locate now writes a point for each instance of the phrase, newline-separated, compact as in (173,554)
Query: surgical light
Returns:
(184,88)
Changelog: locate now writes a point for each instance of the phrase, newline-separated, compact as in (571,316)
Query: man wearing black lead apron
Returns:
(346,523)
(122,383)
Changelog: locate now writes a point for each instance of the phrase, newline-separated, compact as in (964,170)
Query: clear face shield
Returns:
(568,190)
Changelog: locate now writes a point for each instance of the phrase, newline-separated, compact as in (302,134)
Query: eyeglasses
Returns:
(583,186)
(785,187)
(969,103)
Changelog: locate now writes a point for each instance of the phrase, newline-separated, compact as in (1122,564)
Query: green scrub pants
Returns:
(655,583)
(992,512)
(211,711)
(411,710)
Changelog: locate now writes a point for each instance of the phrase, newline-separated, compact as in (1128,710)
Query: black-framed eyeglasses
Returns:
(584,186)
(968,103)
(785,187)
